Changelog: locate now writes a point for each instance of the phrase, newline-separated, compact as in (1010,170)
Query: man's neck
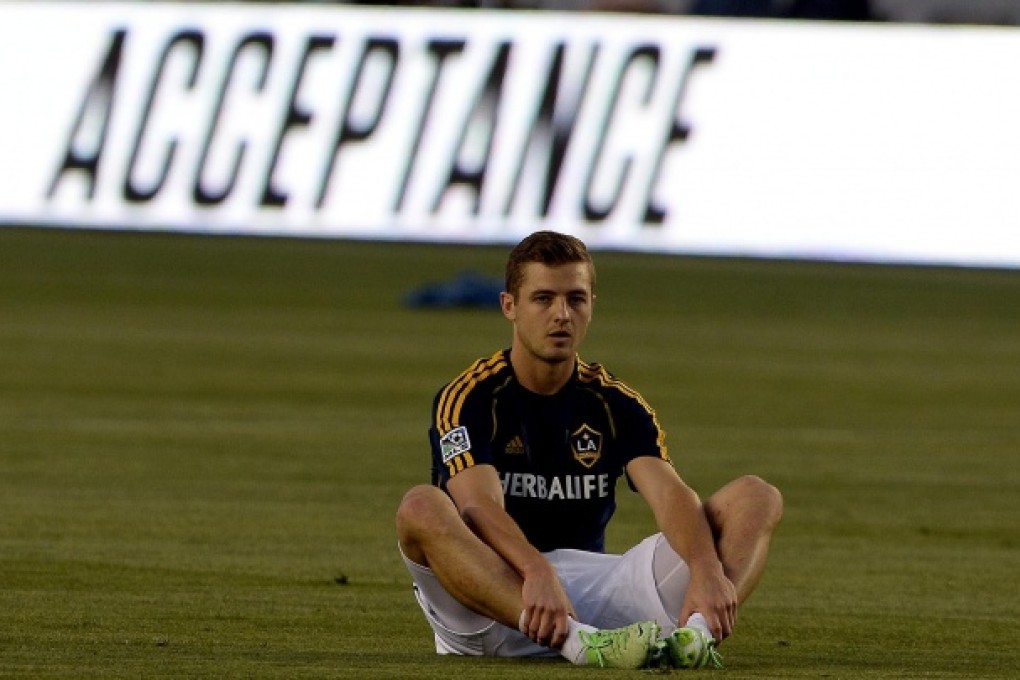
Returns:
(539,376)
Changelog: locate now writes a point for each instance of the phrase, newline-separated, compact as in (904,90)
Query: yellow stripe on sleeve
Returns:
(598,373)
(454,395)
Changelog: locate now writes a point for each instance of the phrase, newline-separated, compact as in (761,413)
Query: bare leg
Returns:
(743,515)
(432,534)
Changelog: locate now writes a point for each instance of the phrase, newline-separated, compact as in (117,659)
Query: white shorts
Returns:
(608,591)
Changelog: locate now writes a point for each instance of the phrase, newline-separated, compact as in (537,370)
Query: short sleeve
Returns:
(461,432)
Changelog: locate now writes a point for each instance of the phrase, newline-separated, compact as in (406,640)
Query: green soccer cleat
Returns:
(628,647)
(689,648)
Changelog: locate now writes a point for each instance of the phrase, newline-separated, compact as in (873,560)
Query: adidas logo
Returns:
(515,447)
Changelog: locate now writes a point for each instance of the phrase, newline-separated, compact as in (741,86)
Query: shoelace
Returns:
(595,642)
(714,659)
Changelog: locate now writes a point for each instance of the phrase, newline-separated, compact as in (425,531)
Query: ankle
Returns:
(699,623)
(573,649)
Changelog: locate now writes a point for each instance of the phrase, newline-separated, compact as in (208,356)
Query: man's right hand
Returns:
(546,605)
(478,494)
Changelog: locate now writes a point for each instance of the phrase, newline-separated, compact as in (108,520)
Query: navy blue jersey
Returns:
(558,457)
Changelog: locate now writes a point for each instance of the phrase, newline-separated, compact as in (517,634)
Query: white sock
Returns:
(573,649)
(699,622)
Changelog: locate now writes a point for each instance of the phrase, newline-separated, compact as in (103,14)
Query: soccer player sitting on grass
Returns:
(506,547)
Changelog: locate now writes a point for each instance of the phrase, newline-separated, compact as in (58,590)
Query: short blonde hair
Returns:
(548,248)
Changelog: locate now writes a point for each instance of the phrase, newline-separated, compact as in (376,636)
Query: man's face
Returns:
(552,310)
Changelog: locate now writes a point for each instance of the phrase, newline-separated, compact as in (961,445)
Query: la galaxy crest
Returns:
(586,444)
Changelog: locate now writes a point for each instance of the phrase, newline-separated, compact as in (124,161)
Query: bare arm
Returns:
(478,495)
(681,518)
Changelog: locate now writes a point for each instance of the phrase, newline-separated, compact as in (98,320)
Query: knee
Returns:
(765,498)
(422,508)
(747,498)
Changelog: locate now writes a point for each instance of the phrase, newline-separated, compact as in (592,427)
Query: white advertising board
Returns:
(865,142)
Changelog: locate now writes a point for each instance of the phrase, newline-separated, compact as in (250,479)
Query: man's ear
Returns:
(506,303)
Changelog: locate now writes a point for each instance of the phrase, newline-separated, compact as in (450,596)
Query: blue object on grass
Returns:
(466,289)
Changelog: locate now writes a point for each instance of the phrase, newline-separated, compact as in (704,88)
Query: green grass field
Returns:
(203,440)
